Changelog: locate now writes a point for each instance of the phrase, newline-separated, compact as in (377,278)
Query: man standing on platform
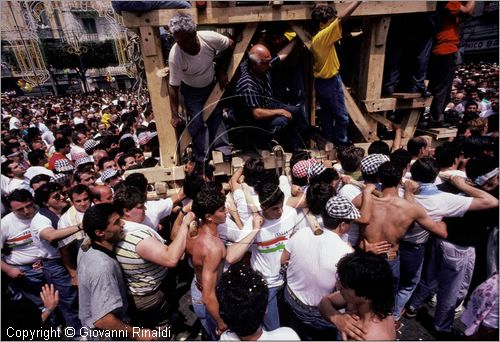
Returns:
(328,30)
(443,57)
(191,63)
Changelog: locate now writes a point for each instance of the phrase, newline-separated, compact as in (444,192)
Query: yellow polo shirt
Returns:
(326,62)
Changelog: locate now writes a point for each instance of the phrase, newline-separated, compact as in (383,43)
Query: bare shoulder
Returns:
(378,330)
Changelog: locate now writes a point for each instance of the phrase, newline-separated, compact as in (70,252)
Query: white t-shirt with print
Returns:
(17,238)
(269,244)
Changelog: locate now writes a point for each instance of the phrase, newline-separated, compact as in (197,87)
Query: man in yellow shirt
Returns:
(327,31)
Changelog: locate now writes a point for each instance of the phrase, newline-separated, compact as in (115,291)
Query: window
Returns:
(89,25)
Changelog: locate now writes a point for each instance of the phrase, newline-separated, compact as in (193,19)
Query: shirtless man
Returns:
(368,308)
(392,216)
(207,256)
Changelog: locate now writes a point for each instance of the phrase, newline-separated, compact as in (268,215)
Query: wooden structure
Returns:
(364,101)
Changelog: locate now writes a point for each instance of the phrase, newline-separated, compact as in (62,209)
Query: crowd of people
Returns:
(317,250)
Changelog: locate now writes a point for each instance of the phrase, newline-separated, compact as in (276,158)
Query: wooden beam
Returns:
(247,14)
(406,95)
(420,102)
(379,105)
(372,63)
(389,142)
(382,119)
(160,174)
(158,92)
(410,122)
(358,117)
(239,51)
(303,34)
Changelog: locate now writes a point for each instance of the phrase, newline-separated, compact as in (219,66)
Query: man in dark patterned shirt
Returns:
(254,89)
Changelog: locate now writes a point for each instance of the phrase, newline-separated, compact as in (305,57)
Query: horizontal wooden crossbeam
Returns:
(247,14)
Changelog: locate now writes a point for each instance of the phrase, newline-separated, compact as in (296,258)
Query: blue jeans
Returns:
(205,135)
(308,322)
(272,317)
(395,269)
(57,274)
(30,285)
(450,272)
(334,116)
(411,260)
(206,320)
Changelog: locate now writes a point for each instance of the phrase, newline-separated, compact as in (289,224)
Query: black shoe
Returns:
(410,313)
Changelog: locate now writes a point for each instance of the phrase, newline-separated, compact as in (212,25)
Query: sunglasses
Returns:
(57,196)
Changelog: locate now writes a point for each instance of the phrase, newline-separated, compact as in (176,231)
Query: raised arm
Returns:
(237,250)
(153,250)
(342,17)
(283,53)
(482,199)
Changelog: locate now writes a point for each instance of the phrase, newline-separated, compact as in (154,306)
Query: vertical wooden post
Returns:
(372,63)
(158,92)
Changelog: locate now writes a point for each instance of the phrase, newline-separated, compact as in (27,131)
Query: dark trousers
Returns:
(441,72)
(333,115)
(206,135)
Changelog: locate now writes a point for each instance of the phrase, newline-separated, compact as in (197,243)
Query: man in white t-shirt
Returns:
(14,122)
(312,266)
(45,236)
(242,294)
(79,196)
(269,243)
(191,65)
(21,258)
(449,266)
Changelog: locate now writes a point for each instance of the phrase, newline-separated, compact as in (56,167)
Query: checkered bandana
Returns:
(63,165)
(108,174)
(89,145)
(84,160)
(341,208)
(300,169)
(59,178)
(315,169)
(370,163)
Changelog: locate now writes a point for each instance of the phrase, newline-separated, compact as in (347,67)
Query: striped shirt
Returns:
(255,92)
(142,277)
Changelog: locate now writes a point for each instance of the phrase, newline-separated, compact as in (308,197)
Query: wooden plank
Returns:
(247,14)
(358,117)
(380,105)
(303,34)
(365,145)
(160,174)
(440,133)
(158,92)
(372,63)
(406,95)
(410,122)
(382,119)
(420,102)
(239,51)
